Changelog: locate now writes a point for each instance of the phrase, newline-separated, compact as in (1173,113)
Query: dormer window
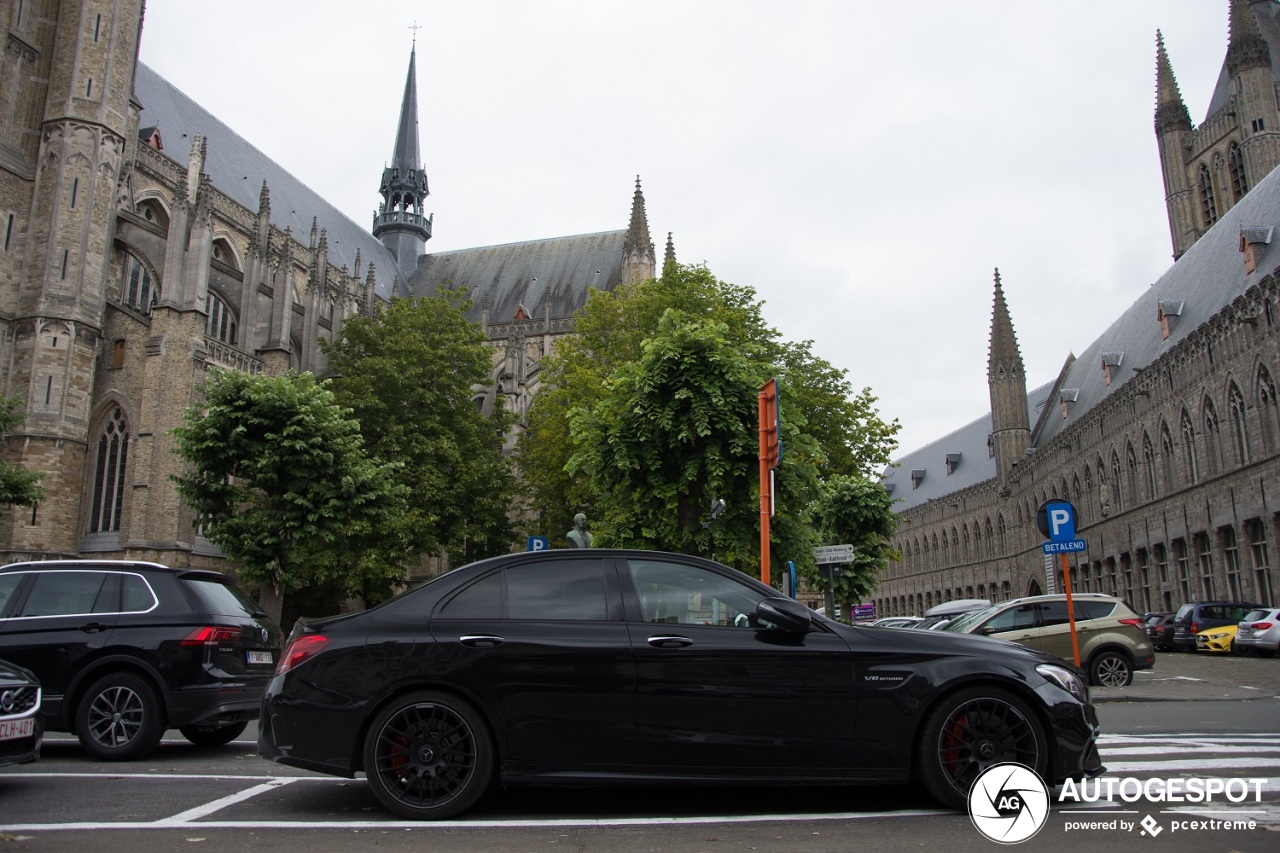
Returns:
(1111,365)
(888,488)
(1066,398)
(917,476)
(1252,243)
(1167,313)
(953,462)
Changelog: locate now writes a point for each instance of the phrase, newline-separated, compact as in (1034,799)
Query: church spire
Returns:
(1246,46)
(400,222)
(1171,112)
(1006,381)
(638,256)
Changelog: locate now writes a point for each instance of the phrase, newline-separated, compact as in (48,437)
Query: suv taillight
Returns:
(299,649)
(1262,626)
(211,635)
(1137,623)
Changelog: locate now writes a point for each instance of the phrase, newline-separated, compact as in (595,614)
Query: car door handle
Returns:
(669,642)
(93,627)
(481,641)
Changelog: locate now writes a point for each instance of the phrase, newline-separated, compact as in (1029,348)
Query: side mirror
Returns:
(786,613)
(987,630)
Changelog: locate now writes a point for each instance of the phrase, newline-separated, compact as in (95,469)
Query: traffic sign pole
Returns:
(1071,610)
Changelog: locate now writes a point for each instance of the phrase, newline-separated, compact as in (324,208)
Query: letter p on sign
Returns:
(1056,519)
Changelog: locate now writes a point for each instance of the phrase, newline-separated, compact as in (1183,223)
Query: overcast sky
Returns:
(865,165)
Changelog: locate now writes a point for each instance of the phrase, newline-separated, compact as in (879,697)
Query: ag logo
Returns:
(1008,803)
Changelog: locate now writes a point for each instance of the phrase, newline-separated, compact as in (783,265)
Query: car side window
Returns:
(1094,609)
(138,597)
(677,594)
(481,600)
(1053,613)
(64,593)
(8,584)
(1013,619)
(573,589)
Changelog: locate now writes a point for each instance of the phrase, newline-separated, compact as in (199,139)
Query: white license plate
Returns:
(14,729)
(261,657)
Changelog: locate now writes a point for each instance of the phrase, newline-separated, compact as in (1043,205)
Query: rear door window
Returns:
(66,594)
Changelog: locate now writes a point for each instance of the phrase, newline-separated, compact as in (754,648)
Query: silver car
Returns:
(1259,632)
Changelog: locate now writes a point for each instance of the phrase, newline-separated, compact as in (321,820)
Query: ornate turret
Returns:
(400,223)
(638,256)
(1173,128)
(1006,380)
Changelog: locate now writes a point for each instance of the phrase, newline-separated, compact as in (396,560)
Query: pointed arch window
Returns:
(1212,439)
(1239,432)
(1149,466)
(1166,458)
(1116,494)
(1235,164)
(222,320)
(1208,204)
(1190,458)
(1131,472)
(1268,413)
(137,288)
(108,477)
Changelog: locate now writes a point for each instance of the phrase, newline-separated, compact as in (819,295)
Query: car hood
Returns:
(11,673)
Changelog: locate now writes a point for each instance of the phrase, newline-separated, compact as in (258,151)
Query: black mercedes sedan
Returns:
(597,666)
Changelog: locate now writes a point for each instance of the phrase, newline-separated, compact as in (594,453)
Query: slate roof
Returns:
(1206,279)
(238,169)
(1267,13)
(560,269)
(974,466)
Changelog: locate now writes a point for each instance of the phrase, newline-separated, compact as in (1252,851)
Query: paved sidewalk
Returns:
(1183,676)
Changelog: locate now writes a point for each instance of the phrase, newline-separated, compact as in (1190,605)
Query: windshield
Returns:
(962,624)
(1255,615)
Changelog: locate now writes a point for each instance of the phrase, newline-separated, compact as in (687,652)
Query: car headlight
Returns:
(1218,636)
(1066,679)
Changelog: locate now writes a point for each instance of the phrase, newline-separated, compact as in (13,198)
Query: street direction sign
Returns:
(1065,547)
(833,554)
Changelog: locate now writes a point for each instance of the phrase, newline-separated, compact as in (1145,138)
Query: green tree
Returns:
(651,412)
(18,486)
(408,374)
(857,510)
(279,479)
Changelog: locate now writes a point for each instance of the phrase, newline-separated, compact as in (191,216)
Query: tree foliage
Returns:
(857,510)
(280,481)
(649,412)
(18,486)
(408,374)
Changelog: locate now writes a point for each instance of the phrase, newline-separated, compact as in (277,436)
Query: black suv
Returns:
(125,650)
(1195,616)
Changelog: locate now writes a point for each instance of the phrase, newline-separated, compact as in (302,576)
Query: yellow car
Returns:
(1217,639)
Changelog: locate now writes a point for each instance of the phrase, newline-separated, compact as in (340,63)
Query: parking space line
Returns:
(207,809)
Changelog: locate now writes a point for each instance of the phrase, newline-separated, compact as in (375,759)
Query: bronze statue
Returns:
(579,537)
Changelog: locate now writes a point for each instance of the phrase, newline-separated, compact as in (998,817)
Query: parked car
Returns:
(21,723)
(1111,638)
(1218,640)
(939,615)
(125,650)
(1259,632)
(599,666)
(1195,616)
(895,622)
(1160,629)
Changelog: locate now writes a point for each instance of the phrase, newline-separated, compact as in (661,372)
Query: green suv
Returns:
(1113,642)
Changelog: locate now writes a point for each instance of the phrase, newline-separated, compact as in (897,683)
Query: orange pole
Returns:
(765,495)
(1071,610)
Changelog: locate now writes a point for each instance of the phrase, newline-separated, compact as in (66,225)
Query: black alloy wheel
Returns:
(428,756)
(972,730)
(213,735)
(118,718)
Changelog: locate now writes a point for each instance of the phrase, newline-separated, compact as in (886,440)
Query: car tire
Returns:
(428,756)
(119,718)
(971,730)
(1110,669)
(213,735)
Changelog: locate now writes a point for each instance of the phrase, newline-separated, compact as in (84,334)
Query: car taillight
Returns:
(1262,626)
(211,635)
(301,648)
(1134,622)
(1195,629)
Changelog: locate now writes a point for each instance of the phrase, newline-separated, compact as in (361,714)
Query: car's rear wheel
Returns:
(1110,669)
(119,718)
(972,730)
(212,735)
(428,756)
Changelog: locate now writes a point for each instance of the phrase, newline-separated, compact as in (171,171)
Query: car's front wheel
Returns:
(119,718)
(972,730)
(1111,669)
(212,735)
(428,756)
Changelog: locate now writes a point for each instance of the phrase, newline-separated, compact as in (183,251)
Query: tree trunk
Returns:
(271,597)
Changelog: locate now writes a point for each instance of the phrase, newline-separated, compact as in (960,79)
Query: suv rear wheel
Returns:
(1110,669)
(119,718)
